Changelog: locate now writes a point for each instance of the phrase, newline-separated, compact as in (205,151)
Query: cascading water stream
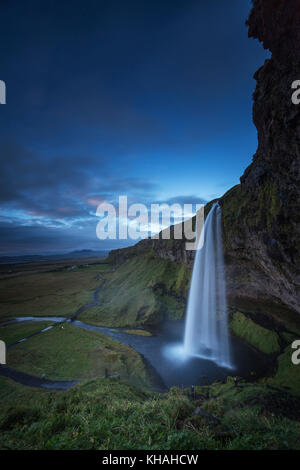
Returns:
(206,328)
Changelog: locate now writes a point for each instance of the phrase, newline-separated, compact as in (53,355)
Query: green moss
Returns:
(234,206)
(261,338)
(171,307)
(182,280)
(268,203)
(243,208)
(287,374)
(277,314)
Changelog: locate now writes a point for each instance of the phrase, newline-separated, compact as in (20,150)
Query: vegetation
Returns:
(138,332)
(98,267)
(124,412)
(67,352)
(263,213)
(58,293)
(143,290)
(263,339)
(287,373)
(14,332)
(268,196)
(110,414)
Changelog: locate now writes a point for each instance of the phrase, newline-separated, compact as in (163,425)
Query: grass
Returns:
(53,293)
(125,414)
(67,352)
(287,374)
(12,333)
(260,212)
(274,314)
(99,267)
(261,338)
(107,414)
(143,290)
(138,332)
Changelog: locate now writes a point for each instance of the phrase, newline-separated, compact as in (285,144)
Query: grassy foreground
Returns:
(111,414)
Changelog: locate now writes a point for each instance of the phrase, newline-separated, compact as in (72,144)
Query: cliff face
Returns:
(261,216)
(173,250)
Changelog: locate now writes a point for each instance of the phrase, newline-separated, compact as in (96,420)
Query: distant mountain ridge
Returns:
(47,257)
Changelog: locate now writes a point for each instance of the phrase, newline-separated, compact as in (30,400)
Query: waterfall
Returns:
(206,328)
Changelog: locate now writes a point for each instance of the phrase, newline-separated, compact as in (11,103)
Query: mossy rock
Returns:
(264,340)
(287,374)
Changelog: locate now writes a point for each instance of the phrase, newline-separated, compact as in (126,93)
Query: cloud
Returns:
(186,200)
(60,187)
(49,203)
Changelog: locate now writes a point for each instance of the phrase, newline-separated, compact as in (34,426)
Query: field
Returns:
(67,353)
(64,352)
(15,332)
(56,292)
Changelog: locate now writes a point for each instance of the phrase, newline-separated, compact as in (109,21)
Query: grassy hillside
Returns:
(143,290)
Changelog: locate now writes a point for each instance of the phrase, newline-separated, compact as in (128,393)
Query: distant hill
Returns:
(48,257)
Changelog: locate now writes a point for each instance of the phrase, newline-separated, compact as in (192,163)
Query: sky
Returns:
(150,99)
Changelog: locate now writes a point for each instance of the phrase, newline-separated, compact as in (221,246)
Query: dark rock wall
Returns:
(262,215)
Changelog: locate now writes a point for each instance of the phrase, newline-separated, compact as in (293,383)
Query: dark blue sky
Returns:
(148,98)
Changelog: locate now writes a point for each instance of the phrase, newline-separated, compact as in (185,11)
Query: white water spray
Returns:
(206,328)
